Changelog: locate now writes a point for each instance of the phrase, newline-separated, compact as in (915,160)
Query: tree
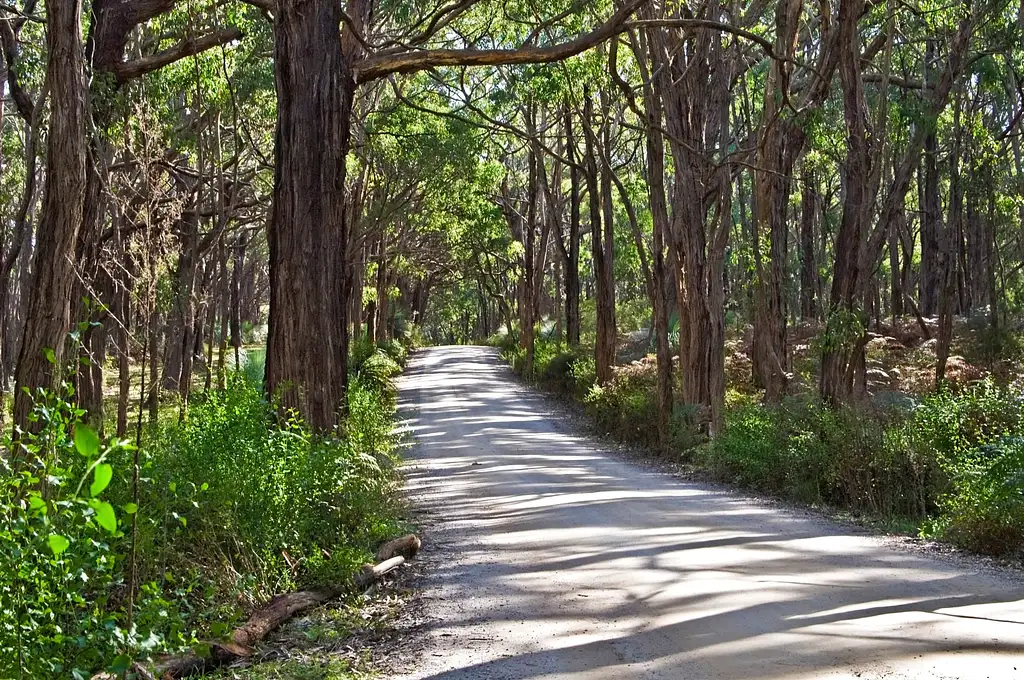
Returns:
(48,317)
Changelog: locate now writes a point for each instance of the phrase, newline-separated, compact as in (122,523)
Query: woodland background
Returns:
(780,241)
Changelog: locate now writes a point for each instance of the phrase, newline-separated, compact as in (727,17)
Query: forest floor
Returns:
(343,640)
(546,554)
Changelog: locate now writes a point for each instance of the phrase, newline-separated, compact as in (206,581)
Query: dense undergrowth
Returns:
(230,507)
(949,463)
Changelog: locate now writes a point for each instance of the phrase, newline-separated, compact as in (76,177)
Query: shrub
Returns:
(62,554)
(627,406)
(975,437)
(809,453)
(377,372)
(266,499)
(984,510)
(396,350)
(231,508)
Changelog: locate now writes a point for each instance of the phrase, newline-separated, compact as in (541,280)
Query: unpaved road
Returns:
(546,558)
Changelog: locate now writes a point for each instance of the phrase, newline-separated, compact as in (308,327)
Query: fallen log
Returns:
(280,608)
(406,546)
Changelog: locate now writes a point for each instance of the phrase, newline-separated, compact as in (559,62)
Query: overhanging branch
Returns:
(381,65)
(130,70)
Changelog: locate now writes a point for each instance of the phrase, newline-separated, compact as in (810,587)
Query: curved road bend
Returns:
(547,558)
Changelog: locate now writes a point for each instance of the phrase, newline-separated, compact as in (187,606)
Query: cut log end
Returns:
(407,546)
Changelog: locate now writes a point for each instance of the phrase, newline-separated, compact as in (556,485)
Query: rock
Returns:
(959,371)
(877,375)
(930,345)
(894,401)
(884,343)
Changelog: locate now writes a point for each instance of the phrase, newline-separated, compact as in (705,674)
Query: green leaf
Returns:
(101,479)
(130,508)
(58,544)
(86,440)
(50,356)
(120,664)
(36,502)
(105,516)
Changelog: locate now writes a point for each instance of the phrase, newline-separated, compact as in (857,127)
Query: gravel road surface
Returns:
(546,556)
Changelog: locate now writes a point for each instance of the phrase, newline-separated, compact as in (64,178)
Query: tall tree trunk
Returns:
(895,273)
(931,215)
(528,282)
(49,305)
(845,324)
(572,265)
(990,253)
(307,357)
(808,263)
(661,227)
(949,243)
(604,349)
(781,142)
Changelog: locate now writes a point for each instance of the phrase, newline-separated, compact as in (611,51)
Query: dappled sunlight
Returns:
(574,564)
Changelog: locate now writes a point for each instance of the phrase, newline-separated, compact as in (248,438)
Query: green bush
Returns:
(627,406)
(984,510)
(63,552)
(953,461)
(975,437)
(396,350)
(812,454)
(556,373)
(231,508)
(264,499)
(957,457)
(504,340)
(378,370)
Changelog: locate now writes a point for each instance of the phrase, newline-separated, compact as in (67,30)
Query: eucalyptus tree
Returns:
(70,218)
(317,76)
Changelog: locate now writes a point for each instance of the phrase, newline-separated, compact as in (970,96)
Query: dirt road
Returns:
(547,558)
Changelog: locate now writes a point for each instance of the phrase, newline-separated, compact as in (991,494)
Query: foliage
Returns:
(626,406)
(62,554)
(231,508)
(955,458)
(813,454)
(976,439)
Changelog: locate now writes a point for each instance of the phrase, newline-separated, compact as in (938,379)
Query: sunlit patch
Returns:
(572,563)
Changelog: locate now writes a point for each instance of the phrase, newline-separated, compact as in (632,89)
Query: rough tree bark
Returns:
(843,332)
(572,263)
(307,356)
(49,304)
(808,263)
(316,76)
(693,72)
(781,143)
(931,214)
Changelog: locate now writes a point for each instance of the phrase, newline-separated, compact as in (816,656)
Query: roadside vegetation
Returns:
(112,553)
(946,463)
